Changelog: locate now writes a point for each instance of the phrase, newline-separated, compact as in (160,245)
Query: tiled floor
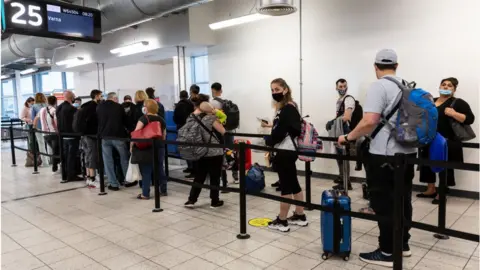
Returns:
(77,229)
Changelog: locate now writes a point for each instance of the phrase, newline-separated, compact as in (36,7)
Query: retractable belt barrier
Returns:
(398,162)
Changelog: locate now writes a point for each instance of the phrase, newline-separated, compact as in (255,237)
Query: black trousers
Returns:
(70,151)
(211,166)
(53,142)
(380,179)
(455,153)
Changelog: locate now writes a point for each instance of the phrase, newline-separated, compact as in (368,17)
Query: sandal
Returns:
(141,197)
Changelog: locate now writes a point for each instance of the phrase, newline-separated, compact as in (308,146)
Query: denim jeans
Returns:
(107,154)
(146,169)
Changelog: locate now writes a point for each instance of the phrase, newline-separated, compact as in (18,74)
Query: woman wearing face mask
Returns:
(459,112)
(40,103)
(286,128)
(138,109)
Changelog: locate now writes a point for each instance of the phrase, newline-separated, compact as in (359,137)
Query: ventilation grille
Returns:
(277,7)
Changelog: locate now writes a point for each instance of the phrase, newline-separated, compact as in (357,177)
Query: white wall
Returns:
(434,39)
(126,80)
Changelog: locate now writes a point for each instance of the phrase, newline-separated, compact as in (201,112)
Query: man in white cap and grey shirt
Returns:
(382,98)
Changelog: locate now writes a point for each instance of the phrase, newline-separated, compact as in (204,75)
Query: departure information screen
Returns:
(51,19)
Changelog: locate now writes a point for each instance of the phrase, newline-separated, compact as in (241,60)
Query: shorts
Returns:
(89,147)
(287,173)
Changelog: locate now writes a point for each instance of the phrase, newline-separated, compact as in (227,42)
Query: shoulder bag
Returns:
(462,132)
(152,130)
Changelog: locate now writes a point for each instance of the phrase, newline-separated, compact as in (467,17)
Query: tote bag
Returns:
(152,130)
(462,132)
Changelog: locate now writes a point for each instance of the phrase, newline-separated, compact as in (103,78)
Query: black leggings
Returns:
(287,173)
(211,166)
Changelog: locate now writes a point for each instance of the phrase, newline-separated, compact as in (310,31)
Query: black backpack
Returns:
(357,114)
(233,113)
(79,124)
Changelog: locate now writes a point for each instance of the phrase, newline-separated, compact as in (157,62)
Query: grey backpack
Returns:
(191,132)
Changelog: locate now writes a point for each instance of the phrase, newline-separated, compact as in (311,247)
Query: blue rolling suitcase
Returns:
(336,229)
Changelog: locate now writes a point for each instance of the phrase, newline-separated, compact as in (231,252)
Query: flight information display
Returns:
(51,19)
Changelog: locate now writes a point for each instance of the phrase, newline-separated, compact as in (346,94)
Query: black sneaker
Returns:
(113,188)
(276,184)
(340,187)
(131,184)
(190,176)
(299,220)
(406,251)
(217,204)
(278,224)
(278,189)
(189,204)
(163,194)
(378,258)
(338,180)
(187,170)
(54,167)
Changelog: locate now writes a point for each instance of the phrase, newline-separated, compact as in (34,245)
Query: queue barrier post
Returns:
(63,169)
(398,209)
(308,185)
(442,207)
(156,173)
(35,150)
(101,173)
(243,194)
(167,174)
(12,146)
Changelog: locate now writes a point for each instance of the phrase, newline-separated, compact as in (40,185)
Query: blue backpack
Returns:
(255,179)
(416,123)
(438,151)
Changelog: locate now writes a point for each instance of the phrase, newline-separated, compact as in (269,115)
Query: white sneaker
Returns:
(88,182)
(94,184)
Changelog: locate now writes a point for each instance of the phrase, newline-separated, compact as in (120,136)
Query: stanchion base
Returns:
(243,236)
(35,172)
(102,193)
(157,210)
(441,236)
(14,165)
(308,209)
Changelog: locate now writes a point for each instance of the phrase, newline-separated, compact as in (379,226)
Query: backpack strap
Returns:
(453,102)
(403,86)
(199,121)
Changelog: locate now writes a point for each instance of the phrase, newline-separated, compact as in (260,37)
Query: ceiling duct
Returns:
(41,58)
(277,7)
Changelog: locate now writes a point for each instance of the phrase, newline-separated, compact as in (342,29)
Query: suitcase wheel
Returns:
(325,256)
(346,258)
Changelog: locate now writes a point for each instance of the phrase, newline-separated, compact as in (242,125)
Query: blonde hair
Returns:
(140,96)
(151,106)
(206,107)
(40,98)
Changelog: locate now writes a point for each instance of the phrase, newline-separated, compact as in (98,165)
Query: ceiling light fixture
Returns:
(5,76)
(28,71)
(237,21)
(77,61)
(133,48)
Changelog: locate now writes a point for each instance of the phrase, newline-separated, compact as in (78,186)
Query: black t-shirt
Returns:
(153,118)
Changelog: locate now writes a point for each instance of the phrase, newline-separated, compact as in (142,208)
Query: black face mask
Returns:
(278,97)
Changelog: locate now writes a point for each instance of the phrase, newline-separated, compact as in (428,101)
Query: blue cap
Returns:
(438,151)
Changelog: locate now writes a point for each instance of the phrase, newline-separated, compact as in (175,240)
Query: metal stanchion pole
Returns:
(442,207)
(63,168)
(35,151)
(166,161)
(156,180)
(12,146)
(101,167)
(243,194)
(308,185)
(398,215)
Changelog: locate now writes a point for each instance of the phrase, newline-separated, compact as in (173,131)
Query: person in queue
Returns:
(112,123)
(48,119)
(345,106)
(89,140)
(77,103)
(128,106)
(146,168)
(26,113)
(183,109)
(460,112)
(211,164)
(286,128)
(191,165)
(40,102)
(140,97)
(65,113)
(381,99)
(151,95)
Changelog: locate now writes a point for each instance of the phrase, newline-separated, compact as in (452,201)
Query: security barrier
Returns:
(399,161)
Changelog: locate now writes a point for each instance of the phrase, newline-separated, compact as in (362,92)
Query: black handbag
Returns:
(141,156)
(462,132)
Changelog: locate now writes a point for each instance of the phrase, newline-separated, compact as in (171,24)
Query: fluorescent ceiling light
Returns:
(77,61)
(237,21)
(5,76)
(133,48)
(28,71)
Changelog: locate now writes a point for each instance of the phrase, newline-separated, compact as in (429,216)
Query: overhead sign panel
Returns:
(51,19)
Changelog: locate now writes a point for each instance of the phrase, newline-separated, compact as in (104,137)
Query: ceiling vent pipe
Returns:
(41,58)
(277,7)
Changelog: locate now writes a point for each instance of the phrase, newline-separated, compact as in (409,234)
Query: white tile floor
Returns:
(77,229)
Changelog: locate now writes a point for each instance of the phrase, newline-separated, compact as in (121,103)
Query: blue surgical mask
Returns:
(445,92)
(76,105)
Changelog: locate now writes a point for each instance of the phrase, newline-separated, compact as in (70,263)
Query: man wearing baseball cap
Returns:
(382,98)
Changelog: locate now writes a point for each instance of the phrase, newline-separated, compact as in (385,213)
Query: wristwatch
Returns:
(346,138)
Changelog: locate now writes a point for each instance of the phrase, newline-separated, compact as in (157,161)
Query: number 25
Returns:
(33,12)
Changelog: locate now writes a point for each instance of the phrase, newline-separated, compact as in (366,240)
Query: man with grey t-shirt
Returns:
(383,97)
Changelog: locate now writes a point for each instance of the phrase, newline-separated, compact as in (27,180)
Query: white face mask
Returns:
(144,111)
